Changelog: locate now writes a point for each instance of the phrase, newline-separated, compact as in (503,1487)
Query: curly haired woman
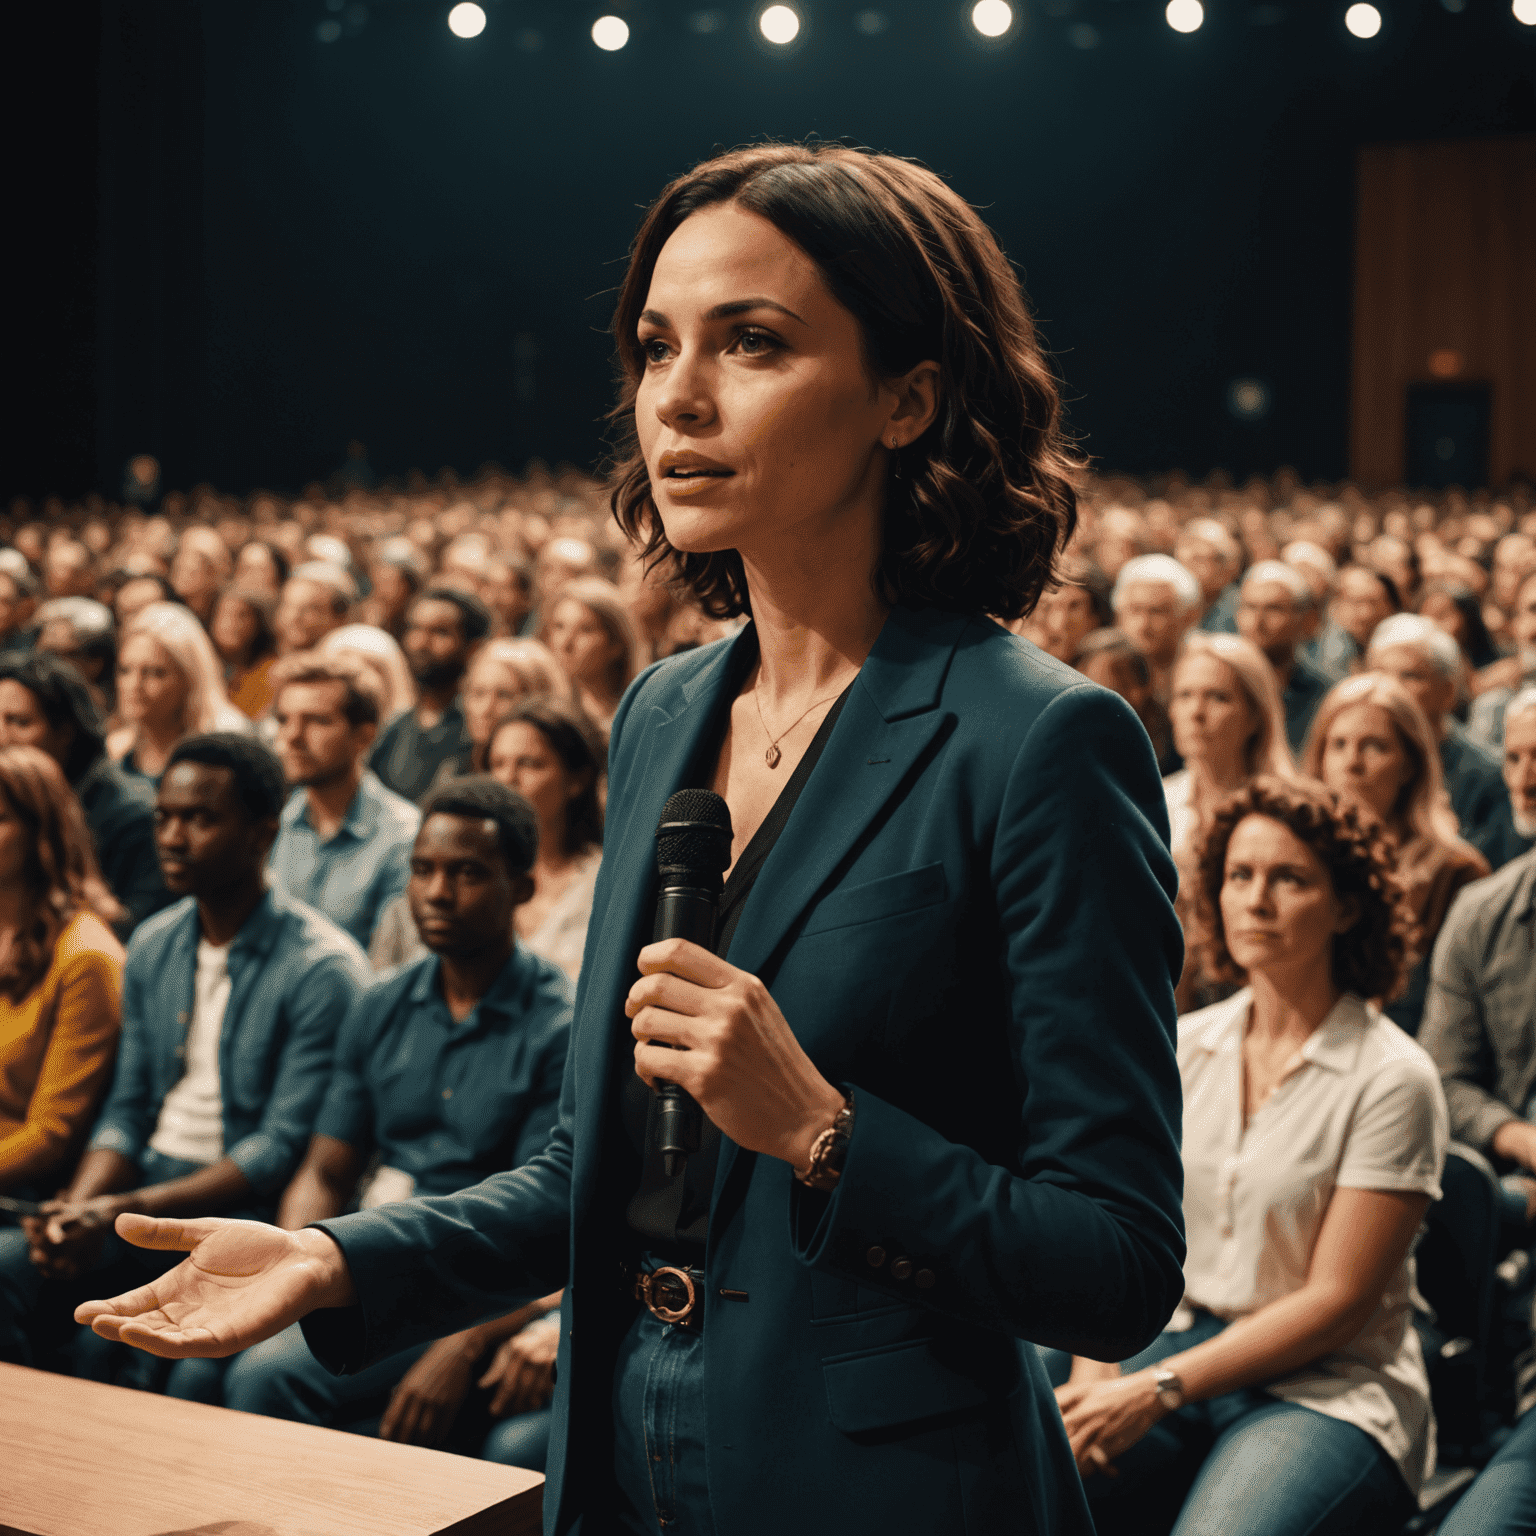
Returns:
(1292,1401)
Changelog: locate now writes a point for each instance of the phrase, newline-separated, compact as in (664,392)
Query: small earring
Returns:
(894,445)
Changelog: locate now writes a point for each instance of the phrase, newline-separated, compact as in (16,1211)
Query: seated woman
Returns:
(1070,611)
(242,634)
(589,631)
(1370,740)
(61,975)
(549,753)
(1228,725)
(169,685)
(1294,1400)
(503,674)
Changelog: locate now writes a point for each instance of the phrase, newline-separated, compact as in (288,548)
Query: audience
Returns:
(1372,742)
(169,685)
(61,976)
(44,703)
(231,999)
(344,843)
(517,556)
(482,1026)
(1274,607)
(589,633)
(445,629)
(1289,1395)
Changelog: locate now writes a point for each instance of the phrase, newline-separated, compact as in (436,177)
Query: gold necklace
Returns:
(772,755)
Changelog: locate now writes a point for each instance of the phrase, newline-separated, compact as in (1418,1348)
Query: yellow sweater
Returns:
(57,1047)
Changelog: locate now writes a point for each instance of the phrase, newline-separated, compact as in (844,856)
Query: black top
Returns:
(670,1217)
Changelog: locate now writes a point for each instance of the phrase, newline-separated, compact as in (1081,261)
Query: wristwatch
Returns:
(830,1150)
(1170,1390)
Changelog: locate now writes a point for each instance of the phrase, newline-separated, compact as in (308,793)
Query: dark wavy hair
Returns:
(978,506)
(1372,956)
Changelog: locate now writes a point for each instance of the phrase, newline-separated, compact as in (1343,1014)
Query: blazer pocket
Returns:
(892,896)
(900,1384)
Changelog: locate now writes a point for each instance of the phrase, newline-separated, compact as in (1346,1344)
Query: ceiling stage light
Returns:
(1185,15)
(779,24)
(1525,12)
(992,18)
(1363,20)
(610,33)
(466,19)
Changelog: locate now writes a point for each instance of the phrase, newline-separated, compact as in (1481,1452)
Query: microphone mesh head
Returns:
(694,835)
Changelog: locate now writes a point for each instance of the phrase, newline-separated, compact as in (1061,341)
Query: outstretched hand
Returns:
(241,1282)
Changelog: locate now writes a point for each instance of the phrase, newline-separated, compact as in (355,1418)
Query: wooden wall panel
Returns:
(1445,261)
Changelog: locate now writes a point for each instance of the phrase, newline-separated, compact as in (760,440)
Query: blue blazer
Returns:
(968,919)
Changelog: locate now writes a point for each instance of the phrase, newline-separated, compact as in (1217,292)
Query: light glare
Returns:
(466,19)
(1525,12)
(1185,15)
(610,33)
(779,24)
(1363,20)
(992,18)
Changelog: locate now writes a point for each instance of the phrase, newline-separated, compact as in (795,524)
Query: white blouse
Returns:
(1178,790)
(1361,1107)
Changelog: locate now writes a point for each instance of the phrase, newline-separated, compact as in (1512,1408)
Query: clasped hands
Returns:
(1106,1415)
(717,1033)
(66,1239)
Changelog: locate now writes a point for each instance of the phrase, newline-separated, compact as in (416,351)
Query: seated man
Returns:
(1155,601)
(230,1004)
(1482,990)
(1274,608)
(344,846)
(447,1070)
(1427,662)
(1499,683)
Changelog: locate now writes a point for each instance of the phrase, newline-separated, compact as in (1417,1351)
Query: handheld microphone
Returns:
(693,848)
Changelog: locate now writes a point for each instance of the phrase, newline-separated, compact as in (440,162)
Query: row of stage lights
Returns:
(992,19)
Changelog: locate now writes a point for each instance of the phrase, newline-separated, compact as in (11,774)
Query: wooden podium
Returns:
(81,1459)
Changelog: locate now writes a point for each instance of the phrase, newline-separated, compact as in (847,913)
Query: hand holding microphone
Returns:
(709,1031)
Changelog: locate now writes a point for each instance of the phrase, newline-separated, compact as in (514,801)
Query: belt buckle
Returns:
(645,1285)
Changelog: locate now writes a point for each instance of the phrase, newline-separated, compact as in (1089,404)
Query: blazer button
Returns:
(901,1268)
(875,1257)
(923,1280)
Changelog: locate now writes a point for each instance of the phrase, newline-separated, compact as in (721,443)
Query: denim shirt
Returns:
(452,1102)
(354,874)
(293,976)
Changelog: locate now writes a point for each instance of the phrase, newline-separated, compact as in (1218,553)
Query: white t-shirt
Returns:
(1360,1108)
(191,1124)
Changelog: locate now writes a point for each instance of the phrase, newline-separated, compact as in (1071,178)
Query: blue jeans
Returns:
(1502,1502)
(658,1424)
(281,1379)
(1244,1464)
(37,1325)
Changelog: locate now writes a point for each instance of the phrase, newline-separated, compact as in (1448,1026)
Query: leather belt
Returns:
(673,1293)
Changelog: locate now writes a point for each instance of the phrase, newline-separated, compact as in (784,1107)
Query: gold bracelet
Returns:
(829,1150)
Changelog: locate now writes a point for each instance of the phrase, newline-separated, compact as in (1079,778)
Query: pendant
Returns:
(772,756)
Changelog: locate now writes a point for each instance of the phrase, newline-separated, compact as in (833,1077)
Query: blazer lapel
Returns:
(891,717)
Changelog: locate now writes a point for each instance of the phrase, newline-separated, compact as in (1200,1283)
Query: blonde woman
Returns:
(379,651)
(1228,725)
(591,635)
(170,684)
(1370,741)
(504,673)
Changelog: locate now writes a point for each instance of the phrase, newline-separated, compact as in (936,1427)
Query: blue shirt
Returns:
(293,977)
(1305,689)
(354,874)
(451,1103)
(407,756)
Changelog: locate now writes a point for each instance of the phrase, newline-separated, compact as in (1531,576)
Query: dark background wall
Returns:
(244,246)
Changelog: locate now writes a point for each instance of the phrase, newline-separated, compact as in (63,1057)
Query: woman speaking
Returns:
(934,1041)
